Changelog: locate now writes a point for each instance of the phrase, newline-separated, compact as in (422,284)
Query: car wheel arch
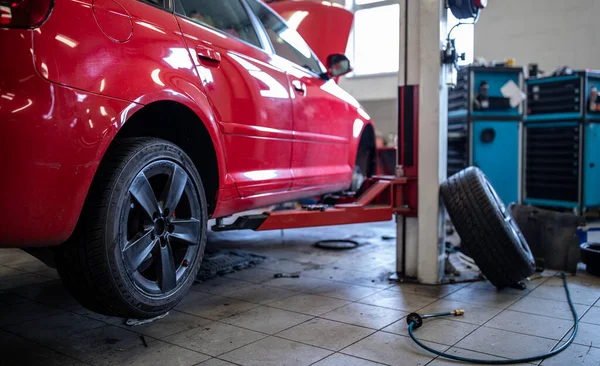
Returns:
(176,122)
(366,142)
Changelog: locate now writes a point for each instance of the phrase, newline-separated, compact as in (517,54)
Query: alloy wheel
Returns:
(160,229)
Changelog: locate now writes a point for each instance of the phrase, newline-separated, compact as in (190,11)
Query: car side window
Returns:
(157,3)
(229,16)
(287,43)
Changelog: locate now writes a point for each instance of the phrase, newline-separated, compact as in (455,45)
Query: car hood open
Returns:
(324,25)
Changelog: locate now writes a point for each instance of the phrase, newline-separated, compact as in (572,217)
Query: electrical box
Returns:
(562,142)
(484,127)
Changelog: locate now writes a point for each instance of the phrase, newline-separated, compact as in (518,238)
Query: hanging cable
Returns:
(415,321)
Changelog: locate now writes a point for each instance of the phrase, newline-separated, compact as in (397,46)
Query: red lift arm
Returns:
(378,200)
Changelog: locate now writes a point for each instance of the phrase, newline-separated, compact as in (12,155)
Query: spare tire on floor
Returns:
(486,229)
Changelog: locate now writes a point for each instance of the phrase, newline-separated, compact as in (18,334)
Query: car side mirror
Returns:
(338,65)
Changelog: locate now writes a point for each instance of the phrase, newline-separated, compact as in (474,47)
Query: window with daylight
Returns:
(373,44)
(465,38)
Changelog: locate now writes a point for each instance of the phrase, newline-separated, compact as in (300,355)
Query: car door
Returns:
(249,94)
(322,116)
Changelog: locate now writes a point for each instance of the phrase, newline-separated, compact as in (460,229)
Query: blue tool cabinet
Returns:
(561,157)
(486,135)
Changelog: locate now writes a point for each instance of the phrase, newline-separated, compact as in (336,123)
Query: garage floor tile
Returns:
(309,304)
(587,335)
(212,306)
(432,291)
(551,308)
(260,294)
(335,313)
(505,344)
(474,314)
(592,316)
(344,291)
(326,334)
(575,355)
(17,351)
(7,298)
(10,282)
(455,351)
(398,300)
(274,351)
(221,285)
(101,346)
(364,315)
(267,319)
(339,359)
(536,325)
(254,275)
(24,311)
(7,272)
(48,329)
(51,293)
(157,353)
(216,362)
(493,299)
(392,349)
(303,283)
(214,338)
(582,292)
(435,330)
(175,322)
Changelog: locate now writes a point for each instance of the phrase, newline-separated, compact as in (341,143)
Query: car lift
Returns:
(379,199)
(412,195)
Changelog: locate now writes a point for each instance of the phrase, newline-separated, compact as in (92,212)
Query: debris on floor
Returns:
(220,262)
(135,322)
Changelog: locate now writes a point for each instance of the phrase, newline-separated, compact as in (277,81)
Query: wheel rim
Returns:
(160,229)
(510,221)
(358,178)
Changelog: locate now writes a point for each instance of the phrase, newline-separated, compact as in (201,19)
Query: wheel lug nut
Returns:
(171,228)
(185,263)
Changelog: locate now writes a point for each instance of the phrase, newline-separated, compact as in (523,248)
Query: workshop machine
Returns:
(562,142)
(484,128)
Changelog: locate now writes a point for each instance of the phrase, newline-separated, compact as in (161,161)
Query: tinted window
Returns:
(286,42)
(159,3)
(227,15)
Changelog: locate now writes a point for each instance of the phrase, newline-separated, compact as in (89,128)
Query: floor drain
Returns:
(337,244)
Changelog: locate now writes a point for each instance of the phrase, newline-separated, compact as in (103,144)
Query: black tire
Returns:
(122,260)
(486,229)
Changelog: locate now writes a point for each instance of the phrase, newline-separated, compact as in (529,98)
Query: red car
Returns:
(127,124)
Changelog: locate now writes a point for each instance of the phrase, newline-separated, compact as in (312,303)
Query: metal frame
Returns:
(380,198)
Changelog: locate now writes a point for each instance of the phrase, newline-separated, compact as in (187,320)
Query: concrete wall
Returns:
(550,33)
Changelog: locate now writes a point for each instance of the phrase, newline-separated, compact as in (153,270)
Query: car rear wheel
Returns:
(141,237)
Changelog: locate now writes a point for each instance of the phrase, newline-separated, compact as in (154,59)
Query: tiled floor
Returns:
(341,311)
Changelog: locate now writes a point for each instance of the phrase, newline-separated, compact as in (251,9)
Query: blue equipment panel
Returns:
(496,152)
(484,129)
(591,165)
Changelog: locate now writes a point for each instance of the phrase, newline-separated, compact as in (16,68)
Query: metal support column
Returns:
(422,138)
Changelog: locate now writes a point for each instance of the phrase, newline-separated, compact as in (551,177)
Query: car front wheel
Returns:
(139,243)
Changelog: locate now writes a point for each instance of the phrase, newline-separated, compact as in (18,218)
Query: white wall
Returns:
(377,95)
(550,33)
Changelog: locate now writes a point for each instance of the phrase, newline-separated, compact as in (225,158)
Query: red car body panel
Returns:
(72,83)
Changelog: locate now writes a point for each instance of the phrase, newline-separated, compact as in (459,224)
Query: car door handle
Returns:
(207,53)
(299,86)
